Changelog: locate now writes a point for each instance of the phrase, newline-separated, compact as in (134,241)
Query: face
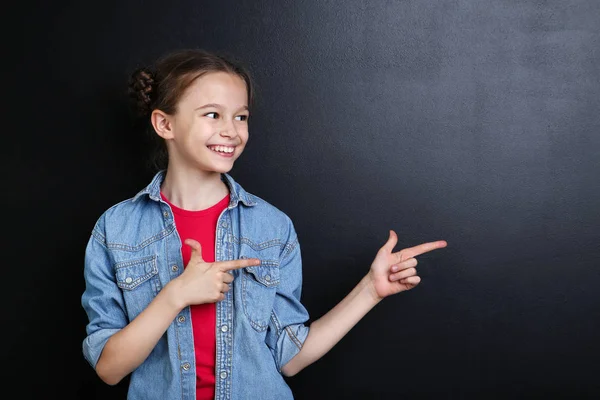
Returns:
(210,128)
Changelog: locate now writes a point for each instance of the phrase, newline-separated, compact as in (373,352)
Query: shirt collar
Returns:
(236,192)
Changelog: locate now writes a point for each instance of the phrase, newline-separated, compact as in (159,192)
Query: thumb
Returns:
(391,243)
(196,250)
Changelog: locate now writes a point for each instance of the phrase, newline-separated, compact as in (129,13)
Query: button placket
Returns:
(223,251)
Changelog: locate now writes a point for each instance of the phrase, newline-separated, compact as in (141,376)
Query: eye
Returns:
(213,115)
(241,118)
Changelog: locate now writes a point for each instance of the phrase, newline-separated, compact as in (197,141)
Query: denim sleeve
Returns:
(287,330)
(102,299)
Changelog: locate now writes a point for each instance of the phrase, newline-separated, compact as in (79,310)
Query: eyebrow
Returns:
(213,105)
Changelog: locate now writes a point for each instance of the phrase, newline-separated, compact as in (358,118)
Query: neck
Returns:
(192,189)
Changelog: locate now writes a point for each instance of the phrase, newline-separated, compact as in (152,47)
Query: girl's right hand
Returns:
(206,282)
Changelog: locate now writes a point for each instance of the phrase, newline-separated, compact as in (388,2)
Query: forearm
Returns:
(328,330)
(129,347)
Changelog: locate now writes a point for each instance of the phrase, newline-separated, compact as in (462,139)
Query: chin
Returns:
(222,169)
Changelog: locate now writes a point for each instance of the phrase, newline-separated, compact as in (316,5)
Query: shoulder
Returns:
(256,209)
(263,221)
(120,213)
(270,212)
(266,225)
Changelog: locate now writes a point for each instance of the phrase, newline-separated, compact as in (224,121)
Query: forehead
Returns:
(219,88)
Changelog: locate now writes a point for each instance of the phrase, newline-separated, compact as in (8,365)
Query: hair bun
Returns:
(142,90)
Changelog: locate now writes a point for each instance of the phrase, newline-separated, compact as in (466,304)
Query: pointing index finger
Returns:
(423,248)
(237,264)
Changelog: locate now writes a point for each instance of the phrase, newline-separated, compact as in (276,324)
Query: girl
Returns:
(193,285)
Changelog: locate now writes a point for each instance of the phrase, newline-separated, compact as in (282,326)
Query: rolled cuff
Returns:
(290,343)
(94,344)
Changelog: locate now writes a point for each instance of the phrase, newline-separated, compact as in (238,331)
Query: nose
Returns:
(229,130)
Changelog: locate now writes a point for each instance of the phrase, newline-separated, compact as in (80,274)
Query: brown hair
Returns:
(162,86)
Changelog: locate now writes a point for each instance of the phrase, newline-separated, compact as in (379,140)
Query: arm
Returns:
(116,347)
(129,347)
(390,273)
(328,330)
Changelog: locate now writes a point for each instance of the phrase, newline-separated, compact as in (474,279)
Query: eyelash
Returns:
(244,117)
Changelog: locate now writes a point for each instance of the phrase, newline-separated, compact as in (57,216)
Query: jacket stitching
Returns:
(99,237)
(289,248)
(257,246)
(120,246)
(293,337)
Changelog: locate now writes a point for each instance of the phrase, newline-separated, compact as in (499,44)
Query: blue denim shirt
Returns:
(134,251)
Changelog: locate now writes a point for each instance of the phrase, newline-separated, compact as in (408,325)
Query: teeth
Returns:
(222,149)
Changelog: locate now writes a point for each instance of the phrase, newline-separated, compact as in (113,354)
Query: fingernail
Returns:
(395,268)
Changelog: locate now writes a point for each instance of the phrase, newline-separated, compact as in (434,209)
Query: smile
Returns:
(226,151)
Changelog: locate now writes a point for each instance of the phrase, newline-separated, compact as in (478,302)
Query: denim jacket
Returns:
(134,251)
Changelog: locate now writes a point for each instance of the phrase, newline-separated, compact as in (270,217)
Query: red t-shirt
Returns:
(201,226)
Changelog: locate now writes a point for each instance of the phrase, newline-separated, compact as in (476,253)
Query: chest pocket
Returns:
(259,286)
(138,280)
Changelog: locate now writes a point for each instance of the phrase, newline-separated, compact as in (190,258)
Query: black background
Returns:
(475,122)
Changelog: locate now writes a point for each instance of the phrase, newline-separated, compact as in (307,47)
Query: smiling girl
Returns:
(193,285)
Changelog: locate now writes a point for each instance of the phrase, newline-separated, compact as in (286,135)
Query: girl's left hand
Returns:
(393,273)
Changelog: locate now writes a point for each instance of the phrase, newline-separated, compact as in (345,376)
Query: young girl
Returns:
(193,285)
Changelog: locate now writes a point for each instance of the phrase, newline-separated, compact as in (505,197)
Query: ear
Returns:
(162,124)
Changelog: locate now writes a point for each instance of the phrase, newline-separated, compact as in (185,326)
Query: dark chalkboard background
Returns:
(475,122)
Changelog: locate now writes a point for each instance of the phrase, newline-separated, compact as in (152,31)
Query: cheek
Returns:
(243,134)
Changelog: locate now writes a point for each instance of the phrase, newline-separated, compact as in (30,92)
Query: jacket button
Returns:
(267,277)
(174,268)
(128,279)
(166,214)
(223,375)
(186,366)
(224,328)
(181,318)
